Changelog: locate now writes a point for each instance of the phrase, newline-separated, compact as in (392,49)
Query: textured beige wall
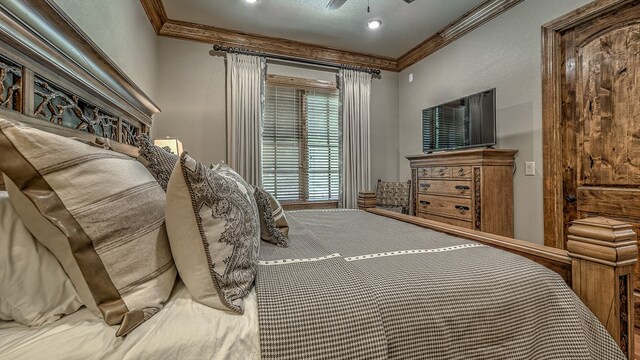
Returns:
(122,30)
(192,98)
(504,54)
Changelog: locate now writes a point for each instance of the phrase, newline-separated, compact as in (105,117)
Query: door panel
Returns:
(605,101)
(600,127)
(609,201)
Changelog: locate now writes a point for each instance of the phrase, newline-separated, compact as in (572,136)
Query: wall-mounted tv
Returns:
(466,122)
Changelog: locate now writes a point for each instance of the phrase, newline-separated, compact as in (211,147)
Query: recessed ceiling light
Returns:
(374,24)
(251,1)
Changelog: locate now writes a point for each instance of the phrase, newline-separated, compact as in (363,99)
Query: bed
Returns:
(352,284)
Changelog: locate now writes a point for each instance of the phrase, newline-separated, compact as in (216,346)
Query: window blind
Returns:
(301,144)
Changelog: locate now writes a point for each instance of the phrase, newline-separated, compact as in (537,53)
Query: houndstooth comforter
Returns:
(354,285)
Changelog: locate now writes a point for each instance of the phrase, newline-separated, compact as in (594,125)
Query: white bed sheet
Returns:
(183,329)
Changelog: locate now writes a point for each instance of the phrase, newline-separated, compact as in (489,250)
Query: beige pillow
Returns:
(214,231)
(274,227)
(34,289)
(100,213)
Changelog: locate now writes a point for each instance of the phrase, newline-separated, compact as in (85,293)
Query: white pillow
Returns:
(34,289)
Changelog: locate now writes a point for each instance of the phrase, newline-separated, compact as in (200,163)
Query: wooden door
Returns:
(600,122)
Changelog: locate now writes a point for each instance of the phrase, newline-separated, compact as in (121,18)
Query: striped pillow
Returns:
(100,213)
(274,227)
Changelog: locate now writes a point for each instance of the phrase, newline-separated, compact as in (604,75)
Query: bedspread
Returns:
(353,285)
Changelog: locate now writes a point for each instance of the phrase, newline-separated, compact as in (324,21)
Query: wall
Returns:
(192,96)
(122,30)
(504,54)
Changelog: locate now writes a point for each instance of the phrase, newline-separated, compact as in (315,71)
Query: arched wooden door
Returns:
(593,143)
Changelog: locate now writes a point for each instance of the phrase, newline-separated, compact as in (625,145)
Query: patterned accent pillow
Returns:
(99,212)
(214,232)
(157,160)
(274,227)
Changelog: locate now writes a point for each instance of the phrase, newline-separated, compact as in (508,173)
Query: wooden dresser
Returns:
(469,188)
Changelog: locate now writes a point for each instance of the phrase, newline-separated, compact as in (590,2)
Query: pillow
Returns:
(34,290)
(214,232)
(157,160)
(274,227)
(100,213)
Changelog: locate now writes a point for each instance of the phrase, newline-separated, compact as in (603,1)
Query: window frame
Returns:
(305,85)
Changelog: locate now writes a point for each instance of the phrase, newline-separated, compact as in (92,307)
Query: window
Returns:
(301,143)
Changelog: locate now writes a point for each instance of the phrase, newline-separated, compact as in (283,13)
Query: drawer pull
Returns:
(425,185)
(462,209)
(462,187)
(422,202)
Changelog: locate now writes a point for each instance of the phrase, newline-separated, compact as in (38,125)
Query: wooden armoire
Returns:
(591,118)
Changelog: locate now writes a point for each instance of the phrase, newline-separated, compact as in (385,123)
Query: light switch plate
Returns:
(411,77)
(530,168)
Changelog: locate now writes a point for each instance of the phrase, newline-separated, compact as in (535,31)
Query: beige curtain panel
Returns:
(355,88)
(245,89)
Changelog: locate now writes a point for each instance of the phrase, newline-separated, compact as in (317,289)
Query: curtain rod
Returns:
(227,49)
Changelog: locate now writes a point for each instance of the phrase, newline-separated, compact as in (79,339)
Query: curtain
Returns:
(245,94)
(355,93)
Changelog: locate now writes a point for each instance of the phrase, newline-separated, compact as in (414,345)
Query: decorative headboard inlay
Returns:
(53,77)
(11,85)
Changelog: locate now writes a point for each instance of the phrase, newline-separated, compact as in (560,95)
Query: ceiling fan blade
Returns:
(335,4)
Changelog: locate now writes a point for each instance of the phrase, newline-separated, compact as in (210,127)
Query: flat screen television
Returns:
(466,122)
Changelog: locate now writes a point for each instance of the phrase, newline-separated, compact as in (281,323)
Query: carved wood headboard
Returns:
(54,78)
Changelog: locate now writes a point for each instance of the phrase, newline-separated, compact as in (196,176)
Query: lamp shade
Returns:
(174,145)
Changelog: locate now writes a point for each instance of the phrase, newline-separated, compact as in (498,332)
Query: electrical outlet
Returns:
(530,168)
(411,77)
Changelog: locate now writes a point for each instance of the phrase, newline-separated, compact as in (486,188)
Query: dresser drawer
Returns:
(459,208)
(440,172)
(424,172)
(461,172)
(447,220)
(445,187)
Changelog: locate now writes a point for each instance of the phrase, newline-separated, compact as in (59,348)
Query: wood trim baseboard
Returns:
(461,26)
(474,18)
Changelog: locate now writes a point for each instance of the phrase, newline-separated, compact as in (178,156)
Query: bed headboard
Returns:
(54,78)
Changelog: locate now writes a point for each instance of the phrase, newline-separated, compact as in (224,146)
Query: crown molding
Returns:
(466,23)
(156,13)
(273,45)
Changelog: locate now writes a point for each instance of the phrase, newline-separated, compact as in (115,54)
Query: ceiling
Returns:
(404,25)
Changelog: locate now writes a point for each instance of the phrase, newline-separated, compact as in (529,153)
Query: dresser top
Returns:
(475,155)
